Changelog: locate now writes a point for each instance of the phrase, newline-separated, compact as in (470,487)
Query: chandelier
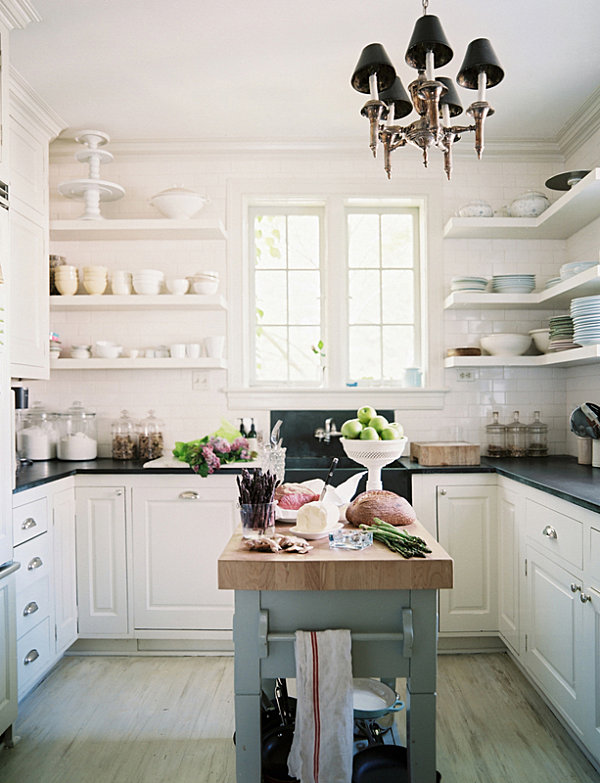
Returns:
(434,98)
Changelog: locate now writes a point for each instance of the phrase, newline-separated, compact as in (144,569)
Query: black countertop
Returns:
(559,475)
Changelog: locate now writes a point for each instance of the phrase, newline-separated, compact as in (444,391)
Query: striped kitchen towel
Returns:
(323,737)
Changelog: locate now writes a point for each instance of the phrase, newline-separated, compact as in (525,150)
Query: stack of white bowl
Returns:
(66,279)
(120,282)
(95,279)
(148,282)
(106,349)
(177,285)
(205,282)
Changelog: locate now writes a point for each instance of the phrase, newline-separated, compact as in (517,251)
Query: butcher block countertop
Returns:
(373,568)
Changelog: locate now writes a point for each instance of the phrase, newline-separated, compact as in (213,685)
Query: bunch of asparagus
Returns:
(397,540)
(255,490)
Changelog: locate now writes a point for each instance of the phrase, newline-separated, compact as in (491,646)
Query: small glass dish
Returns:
(350,539)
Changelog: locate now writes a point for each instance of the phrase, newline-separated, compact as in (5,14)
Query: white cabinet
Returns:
(65,578)
(509,512)
(464,510)
(590,598)
(8,653)
(178,534)
(102,561)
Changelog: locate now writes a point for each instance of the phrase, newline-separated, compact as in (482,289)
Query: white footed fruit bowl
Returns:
(374,455)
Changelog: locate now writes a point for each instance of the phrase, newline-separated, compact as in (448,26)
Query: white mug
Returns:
(214,346)
(178,350)
(413,376)
(192,350)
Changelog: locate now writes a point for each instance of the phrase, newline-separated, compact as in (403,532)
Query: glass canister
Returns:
(38,433)
(124,437)
(537,437)
(150,439)
(496,438)
(78,438)
(516,437)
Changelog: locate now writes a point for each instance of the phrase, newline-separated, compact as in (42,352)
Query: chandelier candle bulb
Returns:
(429,65)
(373,87)
(481,85)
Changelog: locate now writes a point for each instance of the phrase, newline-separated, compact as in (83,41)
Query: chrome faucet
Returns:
(328,432)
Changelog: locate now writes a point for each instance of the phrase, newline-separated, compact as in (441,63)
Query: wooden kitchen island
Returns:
(388,603)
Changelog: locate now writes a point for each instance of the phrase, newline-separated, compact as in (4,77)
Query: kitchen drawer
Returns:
(555,533)
(35,557)
(33,605)
(33,655)
(592,566)
(30,520)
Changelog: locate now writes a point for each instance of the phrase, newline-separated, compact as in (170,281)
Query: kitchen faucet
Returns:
(328,432)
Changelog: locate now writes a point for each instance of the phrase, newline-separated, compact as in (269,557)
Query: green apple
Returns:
(365,414)
(369,433)
(378,423)
(397,426)
(351,429)
(390,433)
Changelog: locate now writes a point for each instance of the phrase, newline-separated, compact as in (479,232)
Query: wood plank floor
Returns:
(170,720)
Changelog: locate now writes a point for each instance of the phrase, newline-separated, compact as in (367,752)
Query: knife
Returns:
(334,462)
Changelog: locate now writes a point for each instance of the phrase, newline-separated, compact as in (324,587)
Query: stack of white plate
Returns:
(585,312)
(513,284)
(148,282)
(574,268)
(468,284)
(561,333)
(552,281)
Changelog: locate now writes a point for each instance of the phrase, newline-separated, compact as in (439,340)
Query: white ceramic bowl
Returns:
(530,204)
(121,289)
(575,267)
(541,339)
(94,287)
(66,287)
(476,209)
(507,344)
(149,272)
(178,203)
(79,353)
(104,349)
(146,289)
(206,287)
(177,285)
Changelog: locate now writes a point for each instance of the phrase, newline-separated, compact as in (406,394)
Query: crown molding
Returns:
(581,126)
(33,105)
(17,13)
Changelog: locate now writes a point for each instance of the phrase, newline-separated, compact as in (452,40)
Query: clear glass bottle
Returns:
(516,437)
(38,433)
(150,439)
(496,438)
(124,437)
(537,437)
(78,438)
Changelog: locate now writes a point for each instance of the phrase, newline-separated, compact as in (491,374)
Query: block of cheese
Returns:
(316,516)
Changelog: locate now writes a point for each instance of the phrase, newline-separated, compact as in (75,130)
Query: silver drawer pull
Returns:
(574,587)
(585,598)
(34,563)
(190,495)
(31,656)
(31,608)
(549,531)
(29,523)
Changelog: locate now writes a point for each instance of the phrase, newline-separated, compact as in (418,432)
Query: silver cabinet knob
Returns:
(31,608)
(585,598)
(34,563)
(443,491)
(29,523)
(31,656)
(118,492)
(189,495)
(549,532)
(575,588)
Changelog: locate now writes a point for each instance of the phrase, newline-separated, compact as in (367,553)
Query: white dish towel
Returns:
(321,751)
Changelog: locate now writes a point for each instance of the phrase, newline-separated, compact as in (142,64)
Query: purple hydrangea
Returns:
(220,445)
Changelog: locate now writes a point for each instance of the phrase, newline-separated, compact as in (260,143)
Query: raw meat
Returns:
(293,496)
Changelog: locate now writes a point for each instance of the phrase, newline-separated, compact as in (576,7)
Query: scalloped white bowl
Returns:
(507,344)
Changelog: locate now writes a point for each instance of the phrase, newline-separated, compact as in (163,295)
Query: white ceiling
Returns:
(280,70)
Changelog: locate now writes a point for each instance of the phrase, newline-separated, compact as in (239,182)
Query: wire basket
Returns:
(374,455)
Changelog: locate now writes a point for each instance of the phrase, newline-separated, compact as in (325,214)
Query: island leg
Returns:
(247,687)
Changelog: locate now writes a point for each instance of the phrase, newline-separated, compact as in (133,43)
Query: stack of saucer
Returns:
(585,311)
(552,281)
(95,279)
(561,333)
(66,279)
(468,284)
(513,284)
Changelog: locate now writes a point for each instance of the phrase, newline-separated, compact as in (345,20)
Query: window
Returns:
(332,318)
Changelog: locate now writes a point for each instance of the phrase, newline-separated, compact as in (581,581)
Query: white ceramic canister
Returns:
(530,204)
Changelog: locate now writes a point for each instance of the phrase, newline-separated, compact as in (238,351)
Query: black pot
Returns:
(275,750)
(382,764)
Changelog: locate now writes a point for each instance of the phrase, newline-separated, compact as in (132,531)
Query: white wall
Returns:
(190,413)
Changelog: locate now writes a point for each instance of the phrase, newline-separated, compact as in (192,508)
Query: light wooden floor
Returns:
(170,720)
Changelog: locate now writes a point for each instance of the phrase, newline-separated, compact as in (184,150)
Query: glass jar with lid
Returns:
(78,438)
(150,439)
(516,437)
(38,434)
(496,438)
(124,437)
(537,437)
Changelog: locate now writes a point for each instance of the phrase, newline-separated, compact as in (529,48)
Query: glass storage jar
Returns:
(516,437)
(537,437)
(37,434)
(496,438)
(78,439)
(124,437)
(150,439)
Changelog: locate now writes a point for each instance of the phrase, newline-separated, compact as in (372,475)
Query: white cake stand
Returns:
(374,455)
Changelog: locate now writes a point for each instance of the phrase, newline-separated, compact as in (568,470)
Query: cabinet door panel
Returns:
(65,577)
(591,650)
(176,543)
(508,567)
(8,654)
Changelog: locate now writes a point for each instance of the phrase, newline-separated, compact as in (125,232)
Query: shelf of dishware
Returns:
(137,228)
(586,283)
(588,354)
(567,215)
(139,363)
(138,302)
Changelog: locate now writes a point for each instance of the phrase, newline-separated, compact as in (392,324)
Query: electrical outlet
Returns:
(200,381)
(467,375)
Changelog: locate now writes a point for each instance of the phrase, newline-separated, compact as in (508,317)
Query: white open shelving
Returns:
(138,302)
(157,228)
(139,363)
(589,354)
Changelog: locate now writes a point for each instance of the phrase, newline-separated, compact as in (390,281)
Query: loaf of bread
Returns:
(380,503)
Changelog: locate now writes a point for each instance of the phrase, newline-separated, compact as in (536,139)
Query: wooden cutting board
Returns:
(445,453)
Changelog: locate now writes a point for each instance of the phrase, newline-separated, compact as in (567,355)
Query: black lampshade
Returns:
(397,99)
(451,97)
(480,57)
(428,35)
(373,59)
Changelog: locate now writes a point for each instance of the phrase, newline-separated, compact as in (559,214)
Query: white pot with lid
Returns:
(530,204)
